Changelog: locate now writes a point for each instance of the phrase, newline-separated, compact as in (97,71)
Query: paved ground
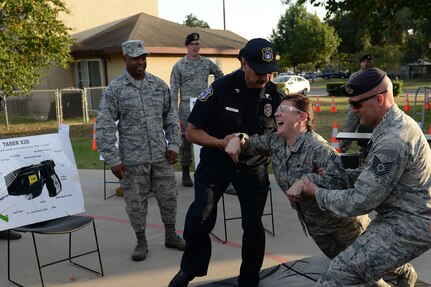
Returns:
(117,241)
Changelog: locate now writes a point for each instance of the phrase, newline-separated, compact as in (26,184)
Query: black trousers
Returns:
(211,180)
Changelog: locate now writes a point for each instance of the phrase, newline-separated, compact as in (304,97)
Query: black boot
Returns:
(13,235)
(187,181)
(181,279)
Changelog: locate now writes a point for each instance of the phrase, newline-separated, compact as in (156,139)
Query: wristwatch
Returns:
(242,136)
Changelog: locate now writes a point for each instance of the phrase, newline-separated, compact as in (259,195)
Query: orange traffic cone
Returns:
(93,145)
(334,142)
(333,107)
(427,99)
(407,106)
(317,107)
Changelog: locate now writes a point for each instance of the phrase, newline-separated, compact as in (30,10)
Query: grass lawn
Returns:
(81,135)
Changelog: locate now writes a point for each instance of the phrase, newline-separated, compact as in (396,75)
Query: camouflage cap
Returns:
(133,48)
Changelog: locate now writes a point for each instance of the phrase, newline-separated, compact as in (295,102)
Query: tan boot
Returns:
(187,180)
(172,240)
(119,191)
(141,249)
(408,277)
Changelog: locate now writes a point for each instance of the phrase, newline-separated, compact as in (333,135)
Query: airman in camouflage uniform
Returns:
(305,156)
(352,119)
(189,76)
(149,137)
(395,182)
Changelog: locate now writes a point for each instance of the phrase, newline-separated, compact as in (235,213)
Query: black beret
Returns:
(365,57)
(260,56)
(364,82)
(191,37)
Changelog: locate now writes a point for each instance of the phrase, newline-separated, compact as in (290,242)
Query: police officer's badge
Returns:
(380,168)
(267,54)
(205,94)
(267,110)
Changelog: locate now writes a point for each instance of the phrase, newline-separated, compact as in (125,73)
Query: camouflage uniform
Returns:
(352,125)
(396,183)
(148,126)
(310,151)
(191,78)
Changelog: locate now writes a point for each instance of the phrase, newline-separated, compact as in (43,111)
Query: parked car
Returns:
(285,73)
(335,74)
(293,84)
(310,75)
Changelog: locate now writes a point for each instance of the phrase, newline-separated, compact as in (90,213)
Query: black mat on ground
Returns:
(286,274)
(301,273)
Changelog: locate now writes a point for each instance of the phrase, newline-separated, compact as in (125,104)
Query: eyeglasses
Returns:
(357,104)
(282,108)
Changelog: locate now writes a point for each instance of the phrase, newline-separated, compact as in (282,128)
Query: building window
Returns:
(89,76)
(89,73)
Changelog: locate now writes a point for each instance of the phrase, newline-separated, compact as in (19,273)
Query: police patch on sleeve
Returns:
(381,169)
(205,94)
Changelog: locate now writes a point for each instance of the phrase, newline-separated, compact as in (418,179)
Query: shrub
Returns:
(333,89)
(397,87)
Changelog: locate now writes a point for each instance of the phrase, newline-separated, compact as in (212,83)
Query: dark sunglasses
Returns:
(357,104)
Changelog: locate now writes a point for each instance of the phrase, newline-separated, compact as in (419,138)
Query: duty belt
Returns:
(29,180)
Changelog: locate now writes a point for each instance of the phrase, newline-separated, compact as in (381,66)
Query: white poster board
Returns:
(196,148)
(38,179)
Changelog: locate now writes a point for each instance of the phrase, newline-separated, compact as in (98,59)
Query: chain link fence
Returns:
(70,105)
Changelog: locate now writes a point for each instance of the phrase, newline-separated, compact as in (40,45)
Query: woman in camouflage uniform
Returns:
(296,151)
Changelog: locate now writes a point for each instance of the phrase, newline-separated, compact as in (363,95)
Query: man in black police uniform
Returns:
(241,102)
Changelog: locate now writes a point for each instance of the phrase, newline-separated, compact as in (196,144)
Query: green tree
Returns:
(354,36)
(380,14)
(387,22)
(302,38)
(193,21)
(32,39)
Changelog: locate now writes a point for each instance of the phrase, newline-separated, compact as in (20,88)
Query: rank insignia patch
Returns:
(205,94)
(380,168)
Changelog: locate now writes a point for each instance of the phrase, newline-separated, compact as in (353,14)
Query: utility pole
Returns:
(224,16)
